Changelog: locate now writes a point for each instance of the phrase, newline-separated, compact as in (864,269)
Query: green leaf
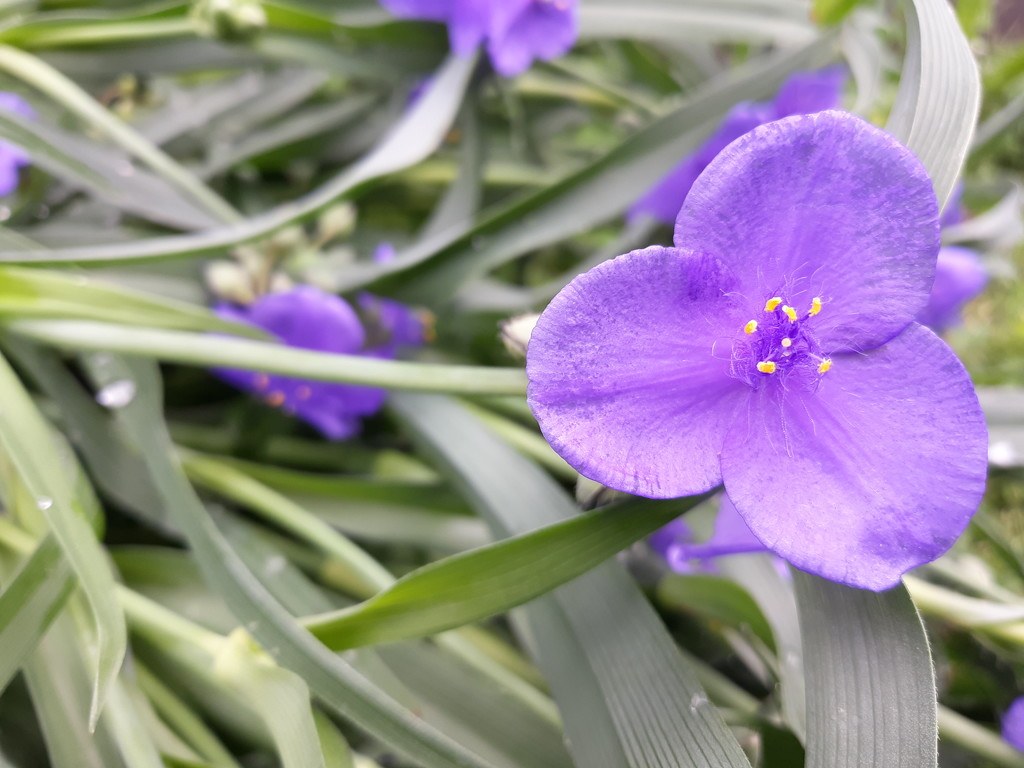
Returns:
(478,584)
(29,603)
(626,694)
(39,293)
(27,439)
(217,351)
(413,138)
(937,105)
(333,680)
(870,683)
(779,21)
(716,598)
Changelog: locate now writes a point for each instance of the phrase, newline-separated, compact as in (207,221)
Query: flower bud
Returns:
(337,221)
(230,20)
(515,333)
(229,281)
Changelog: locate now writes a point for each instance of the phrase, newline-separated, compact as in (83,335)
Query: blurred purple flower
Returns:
(774,349)
(959,277)
(516,31)
(307,318)
(802,93)
(1013,724)
(731,536)
(11,157)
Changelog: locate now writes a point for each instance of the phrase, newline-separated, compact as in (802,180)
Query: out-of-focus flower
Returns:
(12,159)
(1013,724)
(308,318)
(774,349)
(802,93)
(731,536)
(515,31)
(959,277)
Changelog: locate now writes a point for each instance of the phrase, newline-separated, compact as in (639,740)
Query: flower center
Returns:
(780,346)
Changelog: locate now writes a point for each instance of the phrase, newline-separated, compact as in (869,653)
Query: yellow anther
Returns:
(825,365)
(772,303)
(815,306)
(789,312)
(766,366)
(787,342)
(750,327)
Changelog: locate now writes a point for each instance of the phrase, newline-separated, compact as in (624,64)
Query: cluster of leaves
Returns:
(182,568)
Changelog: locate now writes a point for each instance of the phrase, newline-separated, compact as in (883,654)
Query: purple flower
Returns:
(307,318)
(516,31)
(959,277)
(774,349)
(1013,724)
(731,536)
(11,157)
(802,93)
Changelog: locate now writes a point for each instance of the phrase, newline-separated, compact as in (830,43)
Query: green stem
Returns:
(965,733)
(102,34)
(68,94)
(183,720)
(967,612)
(363,576)
(218,351)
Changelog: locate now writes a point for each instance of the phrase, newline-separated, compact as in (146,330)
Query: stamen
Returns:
(275,398)
(789,312)
(815,306)
(787,342)
(825,365)
(766,366)
(772,303)
(750,327)
(262,381)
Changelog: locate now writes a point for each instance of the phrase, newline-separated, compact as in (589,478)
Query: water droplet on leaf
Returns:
(117,394)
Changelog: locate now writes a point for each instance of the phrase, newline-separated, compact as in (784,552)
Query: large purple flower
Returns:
(774,349)
(307,318)
(802,93)
(516,31)
(12,159)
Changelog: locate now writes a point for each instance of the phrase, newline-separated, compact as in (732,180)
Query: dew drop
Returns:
(44,503)
(697,701)
(117,394)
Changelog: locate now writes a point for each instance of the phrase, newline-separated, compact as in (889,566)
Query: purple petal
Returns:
(433,10)
(731,536)
(625,380)
(666,198)
(385,252)
(307,318)
(875,473)
(524,30)
(959,277)
(807,92)
(469,24)
(827,206)
(1013,724)
(390,324)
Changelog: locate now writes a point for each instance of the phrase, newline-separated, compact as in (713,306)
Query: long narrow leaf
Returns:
(626,694)
(870,684)
(475,585)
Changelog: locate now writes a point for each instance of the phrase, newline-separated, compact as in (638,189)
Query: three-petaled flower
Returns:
(774,349)
(516,31)
(308,318)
